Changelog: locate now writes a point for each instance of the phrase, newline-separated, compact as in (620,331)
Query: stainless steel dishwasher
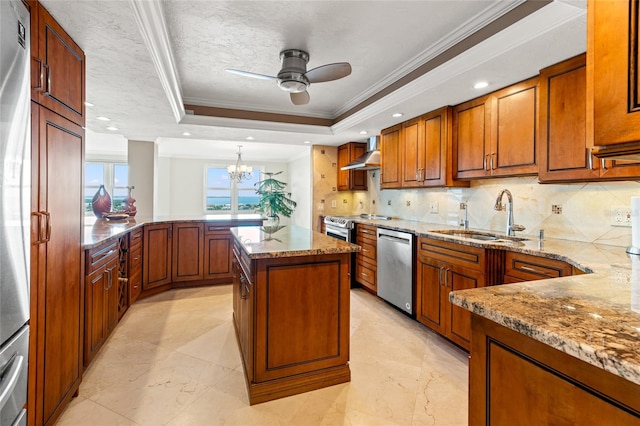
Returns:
(395,268)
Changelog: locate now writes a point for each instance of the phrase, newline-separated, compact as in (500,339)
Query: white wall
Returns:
(181,181)
(300,184)
(142,156)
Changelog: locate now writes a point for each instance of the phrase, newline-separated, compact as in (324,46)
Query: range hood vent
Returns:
(626,151)
(370,160)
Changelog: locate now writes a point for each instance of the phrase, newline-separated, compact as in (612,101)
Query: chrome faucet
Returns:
(511,227)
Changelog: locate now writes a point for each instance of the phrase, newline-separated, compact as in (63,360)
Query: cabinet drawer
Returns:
(366,274)
(243,261)
(135,260)
(135,286)
(368,250)
(452,253)
(135,238)
(366,231)
(529,268)
(98,256)
(216,228)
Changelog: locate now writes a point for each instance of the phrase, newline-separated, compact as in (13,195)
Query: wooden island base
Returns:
(291,316)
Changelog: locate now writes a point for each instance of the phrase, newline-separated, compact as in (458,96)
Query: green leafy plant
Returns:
(274,201)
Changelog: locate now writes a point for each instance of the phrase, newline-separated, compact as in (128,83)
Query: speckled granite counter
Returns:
(97,231)
(288,241)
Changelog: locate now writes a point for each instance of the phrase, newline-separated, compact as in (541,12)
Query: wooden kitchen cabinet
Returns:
(366,260)
(351,179)
(218,253)
(134,264)
(57,302)
(496,135)
(156,261)
(243,303)
(390,157)
(57,67)
(512,376)
(443,267)
(188,251)
(613,85)
(524,267)
(565,138)
(101,297)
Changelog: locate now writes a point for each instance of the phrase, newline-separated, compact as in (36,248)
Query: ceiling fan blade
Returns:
(328,72)
(300,98)
(250,74)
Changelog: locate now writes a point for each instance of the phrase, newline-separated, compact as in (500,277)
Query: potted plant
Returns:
(274,201)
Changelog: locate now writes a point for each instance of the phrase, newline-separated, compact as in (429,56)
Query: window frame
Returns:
(108,177)
(234,189)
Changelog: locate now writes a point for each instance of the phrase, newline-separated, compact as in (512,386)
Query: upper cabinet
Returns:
(613,79)
(420,152)
(351,179)
(496,135)
(390,167)
(57,67)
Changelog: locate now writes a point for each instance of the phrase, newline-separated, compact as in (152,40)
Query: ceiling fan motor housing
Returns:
(294,65)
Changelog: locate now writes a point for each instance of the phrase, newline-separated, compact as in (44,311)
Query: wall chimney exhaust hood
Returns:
(623,151)
(370,160)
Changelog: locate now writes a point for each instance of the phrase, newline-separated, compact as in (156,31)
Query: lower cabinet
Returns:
(523,267)
(218,256)
(157,256)
(366,260)
(443,267)
(101,297)
(512,376)
(243,308)
(188,260)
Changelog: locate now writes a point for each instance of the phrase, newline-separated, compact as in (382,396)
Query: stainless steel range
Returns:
(340,227)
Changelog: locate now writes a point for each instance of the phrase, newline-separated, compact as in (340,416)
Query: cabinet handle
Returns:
(365,251)
(485,162)
(47,81)
(40,85)
(493,156)
(603,164)
(47,237)
(218,228)
(440,275)
(363,274)
(40,227)
(107,285)
(534,270)
(589,158)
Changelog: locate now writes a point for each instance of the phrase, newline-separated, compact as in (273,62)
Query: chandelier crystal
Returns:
(240,171)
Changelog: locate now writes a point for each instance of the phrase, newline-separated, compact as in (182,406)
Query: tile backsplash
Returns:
(575,211)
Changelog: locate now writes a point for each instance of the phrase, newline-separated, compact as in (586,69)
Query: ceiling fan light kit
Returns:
(294,78)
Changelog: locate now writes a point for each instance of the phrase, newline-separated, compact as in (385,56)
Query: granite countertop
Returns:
(97,231)
(594,317)
(288,241)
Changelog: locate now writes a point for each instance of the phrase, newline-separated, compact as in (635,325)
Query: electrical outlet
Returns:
(433,207)
(333,204)
(620,216)
(408,203)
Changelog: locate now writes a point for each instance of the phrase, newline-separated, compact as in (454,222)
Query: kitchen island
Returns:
(291,309)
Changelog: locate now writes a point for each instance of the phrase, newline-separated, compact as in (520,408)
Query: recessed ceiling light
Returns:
(307,141)
(186,134)
(89,104)
(363,132)
(112,128)
(397,114)
(250,138)
(101,118)
(480,85)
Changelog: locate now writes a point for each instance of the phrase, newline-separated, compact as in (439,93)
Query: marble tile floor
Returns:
(174,360)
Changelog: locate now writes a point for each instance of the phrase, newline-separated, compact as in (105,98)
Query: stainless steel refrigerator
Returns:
(15,175)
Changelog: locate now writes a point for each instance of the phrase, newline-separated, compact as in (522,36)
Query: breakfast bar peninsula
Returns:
(291,309)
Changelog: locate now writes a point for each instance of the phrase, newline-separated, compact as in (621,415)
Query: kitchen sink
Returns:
(374,216)
(481,236)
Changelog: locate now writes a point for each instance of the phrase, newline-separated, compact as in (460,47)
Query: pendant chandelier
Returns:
(240,171)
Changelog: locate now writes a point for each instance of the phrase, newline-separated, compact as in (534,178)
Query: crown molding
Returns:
(152,25)
(240,123)
(254,107)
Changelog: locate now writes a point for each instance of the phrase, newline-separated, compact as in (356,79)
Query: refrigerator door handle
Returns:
(6,389)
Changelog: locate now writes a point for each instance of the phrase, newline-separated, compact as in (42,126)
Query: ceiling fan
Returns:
(294,78)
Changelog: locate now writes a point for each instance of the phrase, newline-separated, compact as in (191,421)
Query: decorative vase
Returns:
(128,205)
(101,202)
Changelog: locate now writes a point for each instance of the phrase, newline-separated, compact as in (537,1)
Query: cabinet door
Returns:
(57,316)
(59,80)
(472,138)
(514,130)
(188,240)
(390,168)
(343,175)
(218,255)
(95,332)
(614,79)
(412,150)
(565,151)
(351,179)
(429,289)
(459,319)
(112,297)
(157,256)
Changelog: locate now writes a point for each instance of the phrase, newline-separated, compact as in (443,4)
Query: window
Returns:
(114,177)
(224,195)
